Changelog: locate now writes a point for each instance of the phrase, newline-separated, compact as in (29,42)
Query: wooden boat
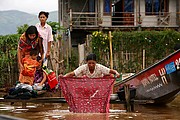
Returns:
(159,82)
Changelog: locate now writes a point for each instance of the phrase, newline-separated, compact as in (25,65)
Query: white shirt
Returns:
(99,71)
(46,34)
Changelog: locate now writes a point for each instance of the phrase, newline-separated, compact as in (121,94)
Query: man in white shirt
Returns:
(92,69)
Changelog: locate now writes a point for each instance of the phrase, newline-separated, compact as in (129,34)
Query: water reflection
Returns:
(91,116)
(6,108)
(57,111)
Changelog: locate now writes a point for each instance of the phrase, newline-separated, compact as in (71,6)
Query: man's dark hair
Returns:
(91,56)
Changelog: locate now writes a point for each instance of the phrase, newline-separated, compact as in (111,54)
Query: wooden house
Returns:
(80,17)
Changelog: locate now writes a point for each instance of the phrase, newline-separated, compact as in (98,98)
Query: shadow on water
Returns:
(59,111)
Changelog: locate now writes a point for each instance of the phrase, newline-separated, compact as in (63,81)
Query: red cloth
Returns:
(87,95)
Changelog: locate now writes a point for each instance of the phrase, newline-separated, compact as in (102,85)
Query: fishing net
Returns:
(87,95)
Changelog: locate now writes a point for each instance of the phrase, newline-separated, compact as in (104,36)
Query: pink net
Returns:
(87,95)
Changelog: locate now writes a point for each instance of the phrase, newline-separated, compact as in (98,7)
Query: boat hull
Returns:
(159,82)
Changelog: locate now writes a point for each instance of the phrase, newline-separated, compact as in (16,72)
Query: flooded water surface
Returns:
(59,111)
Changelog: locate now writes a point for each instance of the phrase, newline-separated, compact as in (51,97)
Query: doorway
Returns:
(123,12)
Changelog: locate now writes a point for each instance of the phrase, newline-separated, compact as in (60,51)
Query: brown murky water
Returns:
(58,111)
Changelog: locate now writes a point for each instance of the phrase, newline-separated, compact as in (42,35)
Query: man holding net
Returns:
(92,69)
(89,91)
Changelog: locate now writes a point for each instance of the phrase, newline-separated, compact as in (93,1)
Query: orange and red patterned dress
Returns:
(27,75)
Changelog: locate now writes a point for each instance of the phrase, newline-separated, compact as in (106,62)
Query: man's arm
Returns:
(70,74)
(114,72)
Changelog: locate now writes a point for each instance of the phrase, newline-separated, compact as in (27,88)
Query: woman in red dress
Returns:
(28,41)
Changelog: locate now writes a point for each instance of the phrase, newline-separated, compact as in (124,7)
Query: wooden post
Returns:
(127,98)
(70,24)
(23,104)
(81,54)
(69,42)
(67,58)
(110,47)
(143,58)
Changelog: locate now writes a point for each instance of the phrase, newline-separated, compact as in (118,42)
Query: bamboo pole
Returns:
(111,56)
(110,46)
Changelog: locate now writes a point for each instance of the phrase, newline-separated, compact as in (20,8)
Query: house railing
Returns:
(83,19)
(123,19)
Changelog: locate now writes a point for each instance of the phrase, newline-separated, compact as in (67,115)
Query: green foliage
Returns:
(8,56)
(157,45)
(21,29)
(55,26)
(100,43)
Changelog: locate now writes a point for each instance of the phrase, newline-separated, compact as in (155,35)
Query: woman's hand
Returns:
(41,62)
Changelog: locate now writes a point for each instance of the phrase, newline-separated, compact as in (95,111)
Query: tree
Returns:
(21,29)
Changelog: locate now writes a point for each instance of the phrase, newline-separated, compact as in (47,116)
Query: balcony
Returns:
(90,20)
